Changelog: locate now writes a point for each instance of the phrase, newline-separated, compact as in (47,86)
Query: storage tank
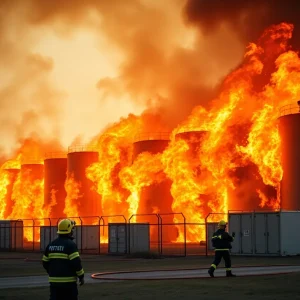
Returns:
(247,181)
(32,171)
(194,139)
(289,129)
(89,202)
(157,197)
(55,165)
(12,175)
(29,173)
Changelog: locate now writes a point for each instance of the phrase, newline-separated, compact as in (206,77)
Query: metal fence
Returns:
(92,234)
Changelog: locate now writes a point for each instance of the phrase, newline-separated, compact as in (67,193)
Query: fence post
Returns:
(81,250)
(184,230)
(33,225)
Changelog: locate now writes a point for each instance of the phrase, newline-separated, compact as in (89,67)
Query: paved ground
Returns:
(39,281)
(35,281)
(199,273)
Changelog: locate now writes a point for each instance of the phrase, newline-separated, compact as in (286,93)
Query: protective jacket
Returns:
(221,240)
(62,261)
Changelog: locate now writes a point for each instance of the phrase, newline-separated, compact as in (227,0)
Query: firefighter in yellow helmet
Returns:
(62,262)
(221,241)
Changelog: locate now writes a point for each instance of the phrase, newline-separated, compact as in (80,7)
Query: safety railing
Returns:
(57,154)
(83,148)
(32,161)
(168,234)
(148,136)
(289,109)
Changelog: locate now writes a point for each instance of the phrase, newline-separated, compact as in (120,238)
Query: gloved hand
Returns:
(81,281)
(233,234)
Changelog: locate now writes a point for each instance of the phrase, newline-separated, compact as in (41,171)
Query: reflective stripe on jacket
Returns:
(221,240)
(62,261)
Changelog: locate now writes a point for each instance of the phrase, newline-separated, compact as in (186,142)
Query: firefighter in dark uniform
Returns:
(62,262)
(221,241)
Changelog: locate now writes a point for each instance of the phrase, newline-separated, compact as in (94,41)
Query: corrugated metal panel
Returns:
(85,237)
(235,226)
(11,235)
(273,233)
(211,229)
(128,238)
(260,234)
(247,235)
(289,233)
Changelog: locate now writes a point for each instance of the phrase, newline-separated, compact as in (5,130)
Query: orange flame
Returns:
(72,188)
(240,131)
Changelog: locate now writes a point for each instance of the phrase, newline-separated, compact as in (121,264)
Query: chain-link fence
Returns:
(166,234)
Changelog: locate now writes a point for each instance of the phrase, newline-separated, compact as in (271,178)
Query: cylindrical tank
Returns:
(32,171)
(289,129)
(194,139)
(30,174)
(157,197)
(247,182)
(12,175)
(89,202)
(55,165)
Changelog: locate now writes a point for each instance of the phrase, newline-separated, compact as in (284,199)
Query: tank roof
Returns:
(31,161)
(58,154)
(150,136)
(82,148)
(289,109)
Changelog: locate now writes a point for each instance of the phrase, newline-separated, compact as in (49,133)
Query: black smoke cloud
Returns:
(247,18)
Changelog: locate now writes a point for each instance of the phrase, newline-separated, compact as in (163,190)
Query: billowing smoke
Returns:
(163,56)
(159,64)
(247,19)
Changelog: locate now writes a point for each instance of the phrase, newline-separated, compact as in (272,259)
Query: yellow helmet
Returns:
(222,223)
(65,226)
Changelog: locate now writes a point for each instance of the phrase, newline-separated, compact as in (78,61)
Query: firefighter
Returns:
(221,241)
(62,262)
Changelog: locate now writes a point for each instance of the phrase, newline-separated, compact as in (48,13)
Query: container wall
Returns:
(11,235)
(117,238)
(139,238)
(242,225)
(289,128)
(128,238)
(289,233)
(54,189)
(89,201)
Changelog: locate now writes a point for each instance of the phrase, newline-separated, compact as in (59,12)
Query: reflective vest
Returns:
(62,261)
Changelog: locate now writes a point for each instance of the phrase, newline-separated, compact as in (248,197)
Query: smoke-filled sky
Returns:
(70,68)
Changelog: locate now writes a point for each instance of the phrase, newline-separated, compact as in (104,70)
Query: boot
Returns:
(229,274)
(211,271)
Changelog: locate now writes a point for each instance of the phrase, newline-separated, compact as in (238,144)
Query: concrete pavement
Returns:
(199,273)
(40,281)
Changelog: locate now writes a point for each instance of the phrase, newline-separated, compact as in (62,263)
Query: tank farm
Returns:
(240,154)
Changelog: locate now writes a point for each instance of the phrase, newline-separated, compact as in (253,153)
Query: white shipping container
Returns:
(265,233)
(128,238)
(86,237)
(289,233)
(11,235)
